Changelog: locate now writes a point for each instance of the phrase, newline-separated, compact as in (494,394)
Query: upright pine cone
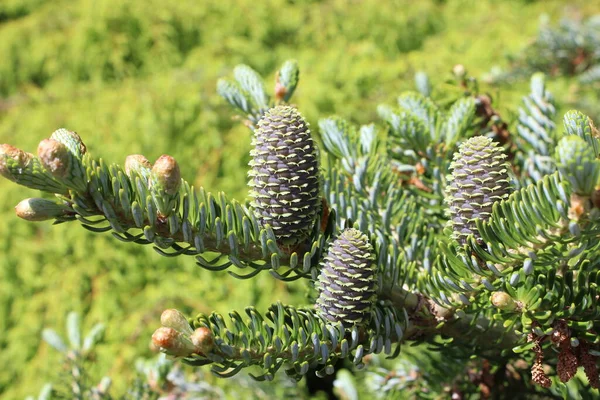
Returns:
(348,281)
(284,175)
(479,179)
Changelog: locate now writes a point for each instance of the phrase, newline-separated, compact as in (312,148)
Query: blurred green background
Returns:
(139,77)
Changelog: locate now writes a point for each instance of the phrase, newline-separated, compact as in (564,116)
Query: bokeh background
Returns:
(139,77)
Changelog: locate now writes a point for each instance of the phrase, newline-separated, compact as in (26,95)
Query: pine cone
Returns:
(348,281)
(567,362)
(479,179)
(538,375)
(285,175)
(590,364)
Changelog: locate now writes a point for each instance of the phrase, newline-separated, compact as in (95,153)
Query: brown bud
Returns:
(203,339)
(172,342)
(166,174)
(54,156)
(36,209)
(174,319)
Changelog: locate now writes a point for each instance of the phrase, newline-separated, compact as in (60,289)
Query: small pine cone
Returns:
(479,179)
(538,375)
(348,281)
(567,362)
(284,175)
(589,362)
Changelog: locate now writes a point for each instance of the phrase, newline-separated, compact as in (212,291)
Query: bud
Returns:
(54,156)
(63,164)
(36,209)
(166,175)
(284,175)
(165,180)
(479,179)
(286,80)
(25,169)
(441,312)
(174,319)
(71,140)
(347,283)
(503,301)
(204,340)
(11,157)
(172,342)
(459,71)
(138,164)
(576,160)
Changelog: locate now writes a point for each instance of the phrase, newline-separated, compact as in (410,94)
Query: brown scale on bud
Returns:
(204,340)
(166,174)
(165,181)
(54,157)
(280,90)
(172,342)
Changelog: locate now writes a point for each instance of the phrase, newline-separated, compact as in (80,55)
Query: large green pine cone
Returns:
(347,284)
(479,179)
(285,175)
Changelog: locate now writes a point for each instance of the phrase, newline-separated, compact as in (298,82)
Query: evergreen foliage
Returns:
(503,276)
